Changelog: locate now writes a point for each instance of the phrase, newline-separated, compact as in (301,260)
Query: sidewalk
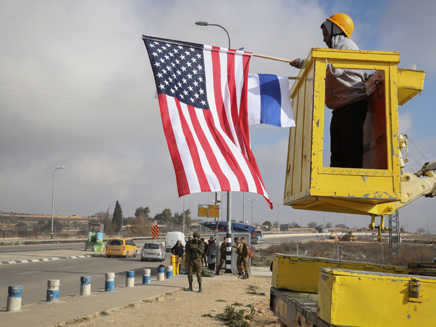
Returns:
(74,306)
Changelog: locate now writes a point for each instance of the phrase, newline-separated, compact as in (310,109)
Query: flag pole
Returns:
(270,57)
(274,58)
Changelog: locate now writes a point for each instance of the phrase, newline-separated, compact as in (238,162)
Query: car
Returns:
(121,247)
(153,251)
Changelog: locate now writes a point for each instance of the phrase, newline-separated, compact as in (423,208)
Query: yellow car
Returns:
(120,247)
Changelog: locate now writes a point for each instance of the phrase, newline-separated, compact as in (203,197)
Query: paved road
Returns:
(33,277)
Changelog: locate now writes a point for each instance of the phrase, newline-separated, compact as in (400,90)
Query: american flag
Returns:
(202,92)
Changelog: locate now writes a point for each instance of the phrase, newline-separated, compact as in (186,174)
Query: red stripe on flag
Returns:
(192,146)
(206,146)
(221,110)
(233,94)
(182,181)
(243,112)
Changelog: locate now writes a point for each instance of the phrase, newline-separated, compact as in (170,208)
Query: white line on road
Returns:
(64,268)
(27,272)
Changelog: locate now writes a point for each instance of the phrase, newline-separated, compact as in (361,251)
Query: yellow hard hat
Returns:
(344,22)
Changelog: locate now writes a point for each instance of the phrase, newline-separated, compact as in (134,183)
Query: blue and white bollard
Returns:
(53,290)
(146,277)
(130,278)
(160,273)
(169,272)
(85,285)
(14,298)
(110,282)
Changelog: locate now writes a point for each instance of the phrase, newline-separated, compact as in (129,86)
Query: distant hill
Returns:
(30,217)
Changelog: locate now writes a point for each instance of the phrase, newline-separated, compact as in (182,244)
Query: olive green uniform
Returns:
(245,255)
(223,254)
(238,248)
(194,254)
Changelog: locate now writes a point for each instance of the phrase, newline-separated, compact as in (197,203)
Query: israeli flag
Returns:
(269,101)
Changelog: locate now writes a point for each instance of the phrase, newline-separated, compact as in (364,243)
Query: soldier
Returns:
(223,254)
(245,255)
(186,261)
(194,253)
(203,257)
(238,247)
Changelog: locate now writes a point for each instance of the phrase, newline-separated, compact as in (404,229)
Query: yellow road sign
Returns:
(214,211)
(202,210)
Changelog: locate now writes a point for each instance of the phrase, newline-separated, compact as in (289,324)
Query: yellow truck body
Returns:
(357,298)
(301,274)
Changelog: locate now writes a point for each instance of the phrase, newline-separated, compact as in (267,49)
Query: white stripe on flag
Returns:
(269,101)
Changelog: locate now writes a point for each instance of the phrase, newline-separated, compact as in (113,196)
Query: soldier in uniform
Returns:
(203,257)
(238,247)
(194,254)
(186,261)
(245,254)
(223,254)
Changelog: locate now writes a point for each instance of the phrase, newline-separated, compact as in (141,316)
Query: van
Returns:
(172,238)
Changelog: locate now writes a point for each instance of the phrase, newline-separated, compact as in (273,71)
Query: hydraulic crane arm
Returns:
(422,183)
(428,169)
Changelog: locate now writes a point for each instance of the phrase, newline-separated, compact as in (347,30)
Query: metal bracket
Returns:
(413,290)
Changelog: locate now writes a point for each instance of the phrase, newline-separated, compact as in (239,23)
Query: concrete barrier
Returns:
(14,298)
(85,285)
(160,273)
(109,284)
(169,272)
(146,276)
(53,290)
(130,278)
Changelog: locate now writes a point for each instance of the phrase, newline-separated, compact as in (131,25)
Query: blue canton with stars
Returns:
(179,71)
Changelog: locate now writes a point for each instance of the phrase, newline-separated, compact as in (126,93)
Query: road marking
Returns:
(64,268)
(27,272)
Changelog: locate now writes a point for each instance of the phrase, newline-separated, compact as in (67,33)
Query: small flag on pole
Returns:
(269,101)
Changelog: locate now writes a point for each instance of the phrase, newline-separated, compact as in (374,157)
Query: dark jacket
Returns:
(178,250)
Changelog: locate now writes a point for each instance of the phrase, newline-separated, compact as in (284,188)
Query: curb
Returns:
(12,262)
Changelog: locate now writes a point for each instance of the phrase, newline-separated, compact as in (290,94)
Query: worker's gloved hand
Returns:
(295,63)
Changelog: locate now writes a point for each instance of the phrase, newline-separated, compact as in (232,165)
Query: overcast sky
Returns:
(76,90)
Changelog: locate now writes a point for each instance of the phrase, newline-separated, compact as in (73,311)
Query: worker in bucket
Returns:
(345,94)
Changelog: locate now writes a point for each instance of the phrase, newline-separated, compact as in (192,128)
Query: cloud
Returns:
(406,28)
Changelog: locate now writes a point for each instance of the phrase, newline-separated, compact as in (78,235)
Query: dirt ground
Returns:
(181,308)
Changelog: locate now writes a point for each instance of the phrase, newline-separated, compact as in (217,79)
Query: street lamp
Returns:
(252,201)
(207,24)
(278,226)
(229,197)
(52,198)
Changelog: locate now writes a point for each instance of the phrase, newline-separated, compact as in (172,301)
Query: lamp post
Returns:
(252,201)
(229,198)
(52,198)
(278,226)
(207,24)
(243,206)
